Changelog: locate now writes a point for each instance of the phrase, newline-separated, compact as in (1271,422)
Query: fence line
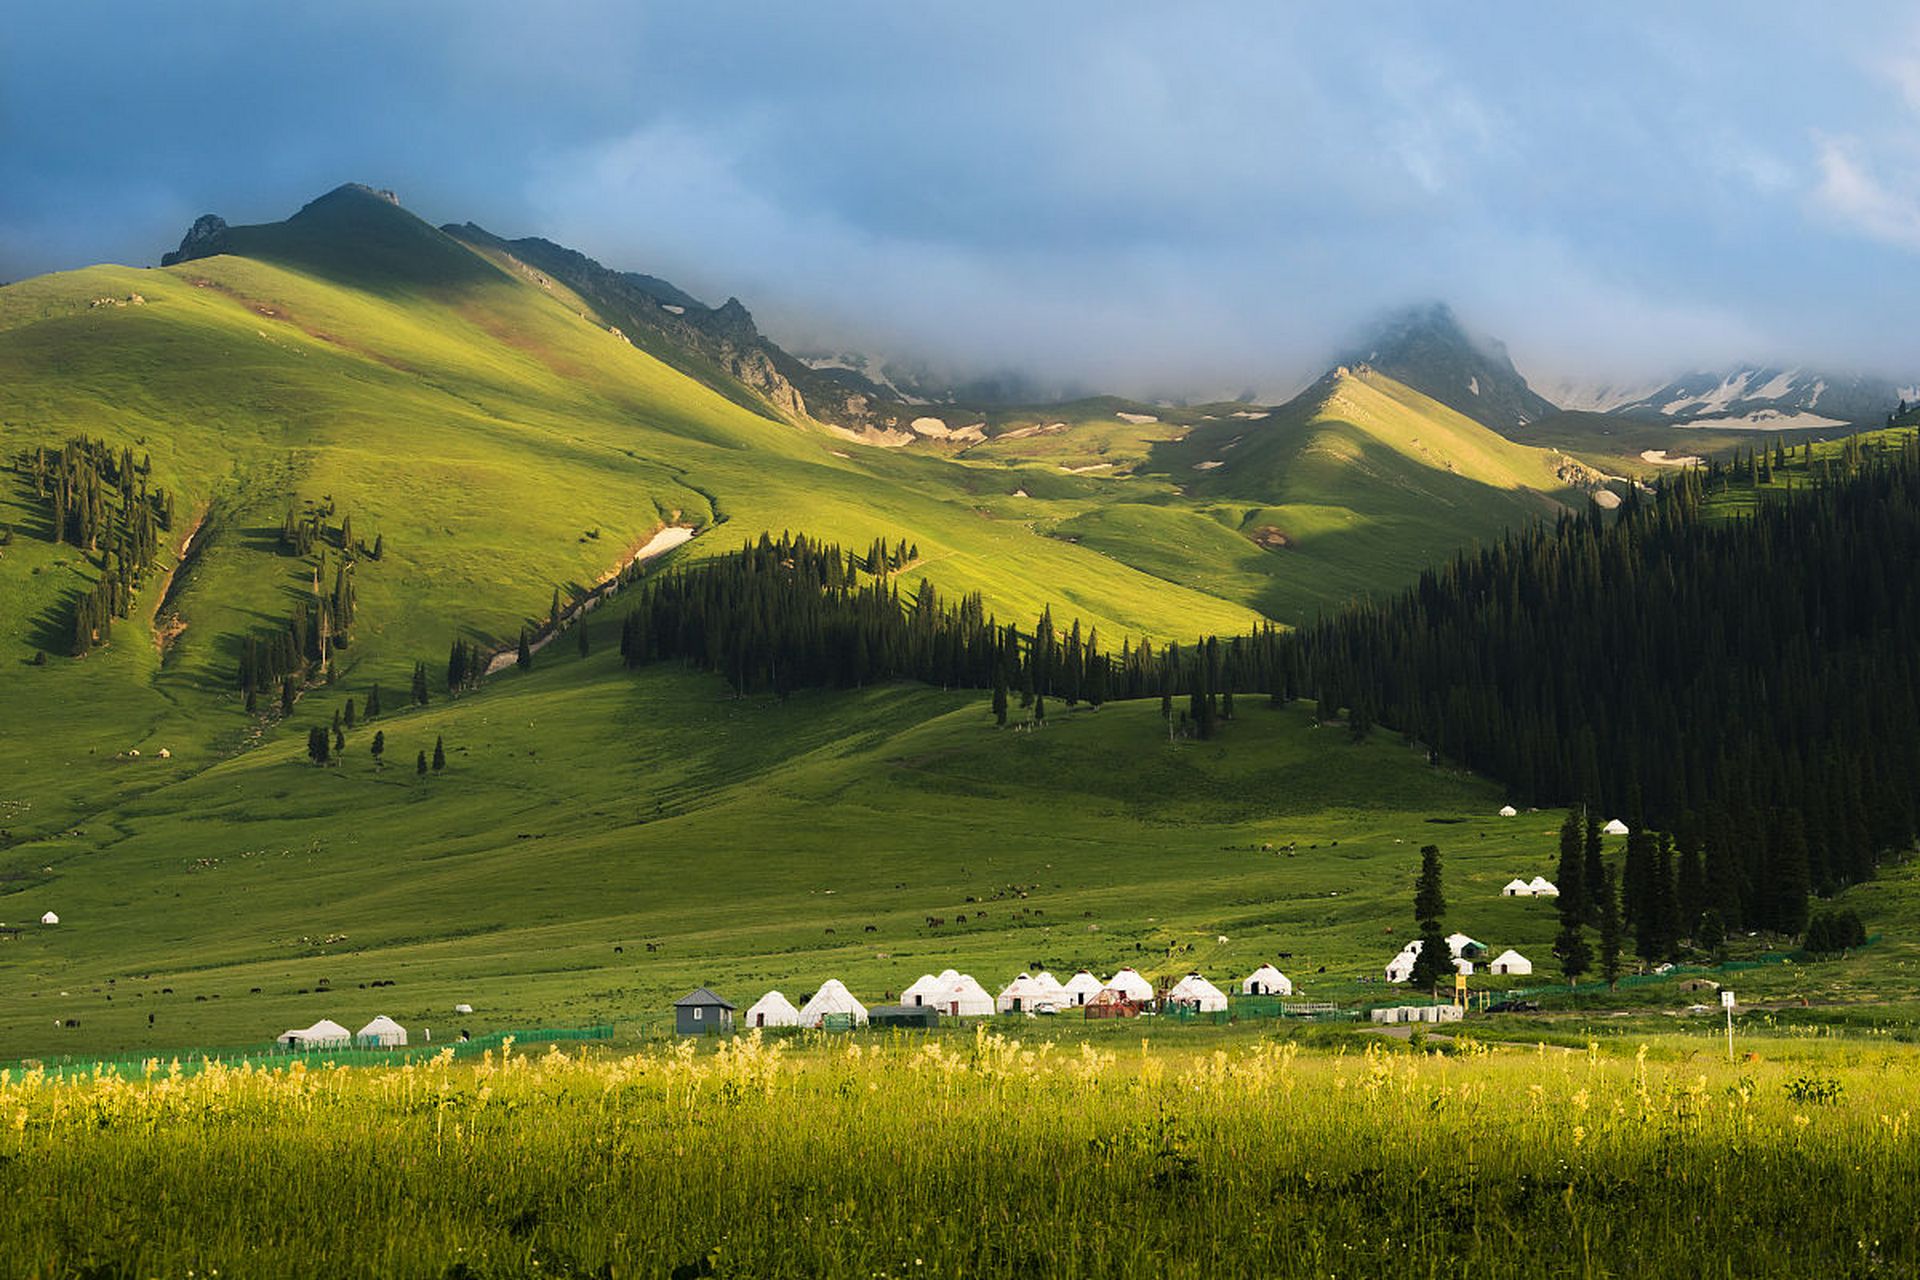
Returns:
(277,1055)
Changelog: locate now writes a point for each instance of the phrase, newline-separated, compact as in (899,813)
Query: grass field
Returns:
(980,1155)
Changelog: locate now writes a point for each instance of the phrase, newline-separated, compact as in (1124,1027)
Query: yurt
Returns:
(922,991)
(1543,887)
(1511,961)
(772,1010)
(1022,995)
(1517,889)
(1615,827)
(1129,985)
(1400,968)
(324,1034)
(962,998)
(1462,945)
(1081,987)
(832,1000)
(1266,981)
(50,918)
(382,1033)
(1196,991)
(1508,811)
(1051,989)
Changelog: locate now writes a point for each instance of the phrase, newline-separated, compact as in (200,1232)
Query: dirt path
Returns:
(664,540)
(164,634)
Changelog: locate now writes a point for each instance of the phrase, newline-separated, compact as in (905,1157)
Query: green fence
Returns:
(277,1055)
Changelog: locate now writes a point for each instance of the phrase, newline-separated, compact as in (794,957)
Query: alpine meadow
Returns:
(1093,725)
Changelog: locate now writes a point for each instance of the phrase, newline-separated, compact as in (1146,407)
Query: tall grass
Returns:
(981,1156)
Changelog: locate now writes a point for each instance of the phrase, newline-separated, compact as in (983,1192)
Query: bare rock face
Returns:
(206,237)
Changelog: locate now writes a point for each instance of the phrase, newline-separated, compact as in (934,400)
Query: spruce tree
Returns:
(1571,874)
(317,750)
(439,754)
(1429,911)
(287,696)
(1595,860)
(524,658)
(1000,701)
(1570,948)
(373,701)
(349,713)
(339,741)
(420,764)
(553,611)
(1607,902)
(379,747)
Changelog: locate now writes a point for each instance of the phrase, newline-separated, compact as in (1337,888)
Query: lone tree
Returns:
(350,715)
(379,747)
(1429,908)
(525,656)
(317,746)
(1000,701)
(420,764)
(439,754)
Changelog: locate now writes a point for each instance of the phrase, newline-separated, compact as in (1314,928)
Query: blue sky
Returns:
(1180,198)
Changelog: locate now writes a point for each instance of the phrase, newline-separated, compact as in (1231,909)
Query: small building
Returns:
(922,990)
(1510,961)
(1129,985)
(1508,811)
(1615,827)
(50,918)
(1464,947)
(1400,968)
(382,1033)
(1700,986)
(1266,981)
(1517,889)
(772,1010)
(1197,993)
(700,1012)
(1109,1003)
(1543,887)
(1081,987)
(324,1034)
(833,1001)
(906,1016)
(1022,995)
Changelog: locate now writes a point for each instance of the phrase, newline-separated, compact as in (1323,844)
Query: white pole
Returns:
(1726,1002)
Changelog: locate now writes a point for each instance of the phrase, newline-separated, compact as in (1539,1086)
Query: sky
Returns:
(1146,198)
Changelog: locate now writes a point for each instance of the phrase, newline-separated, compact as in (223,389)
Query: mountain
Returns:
(1747,397)
(1425,347)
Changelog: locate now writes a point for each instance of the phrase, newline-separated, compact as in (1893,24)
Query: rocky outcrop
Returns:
(206,237)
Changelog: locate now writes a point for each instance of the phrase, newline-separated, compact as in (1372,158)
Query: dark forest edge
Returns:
(1744,692)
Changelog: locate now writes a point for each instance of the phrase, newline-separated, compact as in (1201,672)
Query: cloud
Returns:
(1849,194)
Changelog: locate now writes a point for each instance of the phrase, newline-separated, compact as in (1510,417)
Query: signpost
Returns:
(1726,1002)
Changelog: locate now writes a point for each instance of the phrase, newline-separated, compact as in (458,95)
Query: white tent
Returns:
(1400,968)
(1198,992)
(324,1034)
(831,999)
(1508,811)
(1543,887)
(921,992)
(1460,944)
(49,918)
(1511,961)
(1266,981)
(1082,987)
(1022,995)
(382,1033)
(1052,990)
(962,997)
(772,1010)
(1615,827)
(1130,986)
(1517,889)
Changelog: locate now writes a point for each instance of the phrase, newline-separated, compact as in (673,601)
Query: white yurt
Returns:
(963,998)
(1461,944)
(1517,888)
(1082,987)
(772,1010)
(1615,827)
(1511,961)
(1543,887)
(1022,995)
(324,1034)
(1197,991)
(382,1033)
(832,998)
(50,918)
(1400,968)
(1266,981)
(1051,989)
(1129,985)
(921,991)
(1508,811)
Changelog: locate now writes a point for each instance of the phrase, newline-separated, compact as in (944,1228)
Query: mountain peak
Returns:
(1426,347)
